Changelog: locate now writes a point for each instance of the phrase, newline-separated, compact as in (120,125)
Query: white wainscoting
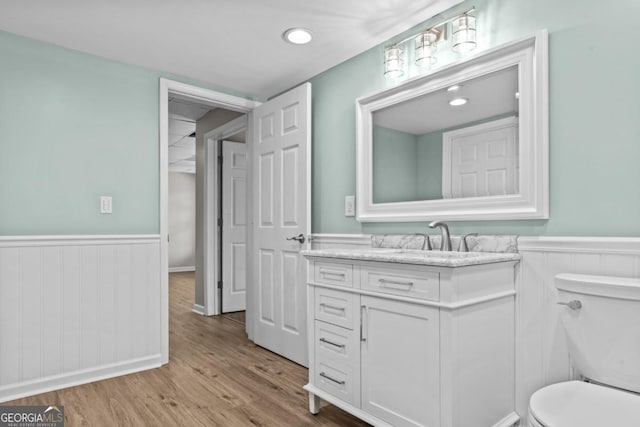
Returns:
(340,241)
(541,350)
(75,309)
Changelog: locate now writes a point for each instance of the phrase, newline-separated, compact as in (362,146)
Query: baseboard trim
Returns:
(181,269)
(72,379)
(199,309)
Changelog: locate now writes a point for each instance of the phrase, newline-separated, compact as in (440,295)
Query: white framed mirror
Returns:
(468,141)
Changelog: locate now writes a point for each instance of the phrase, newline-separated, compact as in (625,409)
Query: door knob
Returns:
(573,305)
(299,238)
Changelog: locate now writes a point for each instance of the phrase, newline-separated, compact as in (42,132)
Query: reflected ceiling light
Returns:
(454,88)
(458,102)
(297,35)
(463,32)
(393,62)
(517,95)
(426,46)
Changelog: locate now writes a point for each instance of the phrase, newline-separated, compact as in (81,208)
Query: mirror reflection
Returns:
(457,142)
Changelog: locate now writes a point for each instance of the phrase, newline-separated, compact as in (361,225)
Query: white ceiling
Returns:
(488,96)
(182,124)
(234,44)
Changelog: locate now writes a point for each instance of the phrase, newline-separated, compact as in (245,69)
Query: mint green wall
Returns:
(429,158)
(406,167)
(594,119)
(394,159)
(74,127)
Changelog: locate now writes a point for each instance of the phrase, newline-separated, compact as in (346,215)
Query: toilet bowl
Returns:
(600,316)
(581,404)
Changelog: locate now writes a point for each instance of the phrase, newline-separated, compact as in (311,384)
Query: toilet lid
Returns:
(580,404)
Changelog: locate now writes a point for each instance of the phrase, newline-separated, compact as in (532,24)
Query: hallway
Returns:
(216,377)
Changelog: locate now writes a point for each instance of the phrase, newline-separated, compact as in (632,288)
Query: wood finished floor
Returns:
(216,377)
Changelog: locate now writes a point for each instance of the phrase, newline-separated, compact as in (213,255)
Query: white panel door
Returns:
(481,160)
(400,362)
(234,226)
(280,159)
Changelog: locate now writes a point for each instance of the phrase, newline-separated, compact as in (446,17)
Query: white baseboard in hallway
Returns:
(181,269)
(199,309)
(76,309)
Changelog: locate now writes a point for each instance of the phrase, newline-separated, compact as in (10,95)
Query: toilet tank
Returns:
(604,334)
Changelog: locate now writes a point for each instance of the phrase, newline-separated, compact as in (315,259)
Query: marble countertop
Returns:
(412,256)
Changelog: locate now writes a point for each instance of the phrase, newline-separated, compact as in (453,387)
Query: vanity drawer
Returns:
(413,284)
(335,307)
(338,379)
(333,273)
(337,343)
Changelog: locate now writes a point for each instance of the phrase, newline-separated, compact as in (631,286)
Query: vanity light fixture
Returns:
(463,32)
(456,102)
(297,36)
(393,62)
(426,46)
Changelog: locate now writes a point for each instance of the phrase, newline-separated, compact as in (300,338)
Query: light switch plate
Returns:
(106,204)
(350,206)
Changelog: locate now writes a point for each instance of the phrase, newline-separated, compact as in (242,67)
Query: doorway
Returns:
(212,99)
(223,213)
(278,211)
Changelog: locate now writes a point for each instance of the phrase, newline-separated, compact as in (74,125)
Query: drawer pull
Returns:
(323,375)
(329,273)
(332,307)
(390,283)
(332,343)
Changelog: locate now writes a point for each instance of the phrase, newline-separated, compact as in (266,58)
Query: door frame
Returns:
(212,204)
(202,96)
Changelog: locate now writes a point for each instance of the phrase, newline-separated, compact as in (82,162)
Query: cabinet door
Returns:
(400,359)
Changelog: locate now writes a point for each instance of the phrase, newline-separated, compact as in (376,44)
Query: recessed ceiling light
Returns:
(297,35)
(458,102)
(454,88)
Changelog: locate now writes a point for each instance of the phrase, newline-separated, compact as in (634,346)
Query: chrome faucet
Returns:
(464,241)
(445,244)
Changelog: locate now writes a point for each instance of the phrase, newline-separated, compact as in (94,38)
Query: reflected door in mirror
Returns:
(481,160)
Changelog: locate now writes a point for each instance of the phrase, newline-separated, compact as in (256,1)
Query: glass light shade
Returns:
(426,48)
(463,31)
(393,62)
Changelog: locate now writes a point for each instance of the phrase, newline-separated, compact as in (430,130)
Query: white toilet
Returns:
(602,320)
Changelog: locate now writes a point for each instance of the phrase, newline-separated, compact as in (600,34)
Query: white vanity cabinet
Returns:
(412,344)
(399,362)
